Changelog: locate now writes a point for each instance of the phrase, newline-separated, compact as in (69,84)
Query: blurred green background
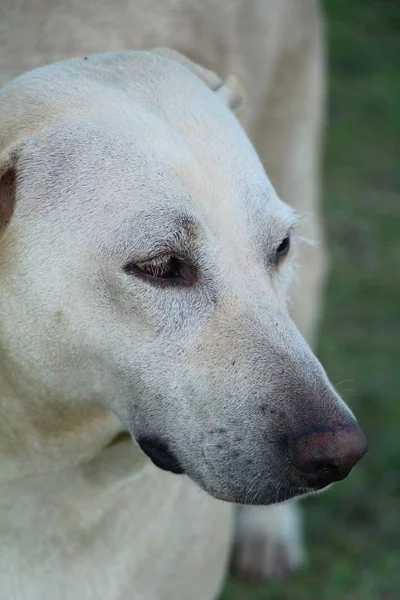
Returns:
(353,531)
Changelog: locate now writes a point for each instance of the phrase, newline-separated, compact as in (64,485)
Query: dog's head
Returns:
(145,262)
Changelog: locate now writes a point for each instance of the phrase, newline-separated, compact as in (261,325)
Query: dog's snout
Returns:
(325,457)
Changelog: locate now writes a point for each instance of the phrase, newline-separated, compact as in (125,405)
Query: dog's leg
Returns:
(268,541)
(287,137)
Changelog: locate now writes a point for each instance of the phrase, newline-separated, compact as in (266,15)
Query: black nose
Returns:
(328,456)
(160,454)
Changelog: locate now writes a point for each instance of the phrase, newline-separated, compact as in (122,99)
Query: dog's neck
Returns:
(40,434)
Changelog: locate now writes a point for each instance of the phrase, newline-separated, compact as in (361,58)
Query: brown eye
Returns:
(163,269)
(283,248)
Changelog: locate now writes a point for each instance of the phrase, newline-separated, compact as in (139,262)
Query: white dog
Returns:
(274,46)
(145,258)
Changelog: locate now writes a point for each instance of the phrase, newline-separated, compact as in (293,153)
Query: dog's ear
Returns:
(8,183)
(230,91)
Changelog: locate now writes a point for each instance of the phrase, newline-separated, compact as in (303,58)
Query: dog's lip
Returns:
(160,454)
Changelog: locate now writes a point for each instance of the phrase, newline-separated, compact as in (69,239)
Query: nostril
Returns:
(320,477)
(328,456)
(323,475)
(324,471)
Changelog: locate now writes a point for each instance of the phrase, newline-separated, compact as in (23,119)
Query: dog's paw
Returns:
(268,542)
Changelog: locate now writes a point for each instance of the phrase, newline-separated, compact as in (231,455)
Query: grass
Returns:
(353,530)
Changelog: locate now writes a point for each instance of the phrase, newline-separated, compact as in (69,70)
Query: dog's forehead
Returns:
(140,173)
(140,152)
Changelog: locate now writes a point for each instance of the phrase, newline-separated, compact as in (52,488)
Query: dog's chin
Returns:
(273,492)
(163,458)
(260,498)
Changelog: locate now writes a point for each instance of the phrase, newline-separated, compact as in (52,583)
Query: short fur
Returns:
(282,71)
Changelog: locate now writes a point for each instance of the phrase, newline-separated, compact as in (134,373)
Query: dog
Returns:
(145,261)
(275,47)
(282,68)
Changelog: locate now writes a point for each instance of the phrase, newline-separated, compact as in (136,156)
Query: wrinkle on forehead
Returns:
(186,210)
(154,186)
(167,230)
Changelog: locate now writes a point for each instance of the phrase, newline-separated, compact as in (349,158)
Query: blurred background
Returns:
(353,530)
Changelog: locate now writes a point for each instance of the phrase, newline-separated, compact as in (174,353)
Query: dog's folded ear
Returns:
(229,91)
(8,180)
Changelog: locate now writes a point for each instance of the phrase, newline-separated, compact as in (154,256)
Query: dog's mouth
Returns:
(160,455)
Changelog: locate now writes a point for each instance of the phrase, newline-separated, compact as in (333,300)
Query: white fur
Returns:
(277,145)
(215,370)
(269,542)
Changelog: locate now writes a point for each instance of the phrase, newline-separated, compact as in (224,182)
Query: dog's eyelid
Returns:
(164,251)
(291,221)
(291,229)
(290,233)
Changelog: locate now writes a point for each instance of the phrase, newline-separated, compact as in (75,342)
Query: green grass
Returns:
(353,531)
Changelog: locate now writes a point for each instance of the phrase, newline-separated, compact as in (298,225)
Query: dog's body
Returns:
(83,513)
(102,531)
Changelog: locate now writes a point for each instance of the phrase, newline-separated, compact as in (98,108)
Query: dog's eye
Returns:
(163,269)
(283,248)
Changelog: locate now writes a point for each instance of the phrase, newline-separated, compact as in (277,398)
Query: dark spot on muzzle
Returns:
(160,455)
